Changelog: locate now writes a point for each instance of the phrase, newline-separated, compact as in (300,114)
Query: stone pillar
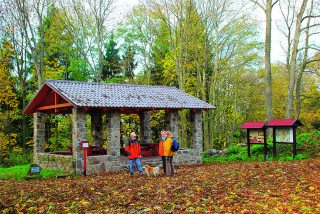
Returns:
(113,131)
(145,135)
(196,133)
(171,120)
(79,134)
(39,134)
(96,129)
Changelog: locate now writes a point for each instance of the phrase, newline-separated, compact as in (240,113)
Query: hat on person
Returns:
(133,134)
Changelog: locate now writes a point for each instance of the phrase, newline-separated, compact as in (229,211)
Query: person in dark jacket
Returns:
(133,150)
(161,150)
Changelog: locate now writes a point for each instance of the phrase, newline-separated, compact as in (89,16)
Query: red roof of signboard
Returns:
(284,122)
(253,125)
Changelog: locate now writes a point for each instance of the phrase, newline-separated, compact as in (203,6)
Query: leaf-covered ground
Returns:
(247,187)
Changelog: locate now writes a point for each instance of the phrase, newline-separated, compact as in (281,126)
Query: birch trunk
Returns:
(292,68)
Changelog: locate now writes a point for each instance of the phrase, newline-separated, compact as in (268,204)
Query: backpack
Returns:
(175,145)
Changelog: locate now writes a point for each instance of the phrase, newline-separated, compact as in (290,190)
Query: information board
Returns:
(284,134)
(256,136)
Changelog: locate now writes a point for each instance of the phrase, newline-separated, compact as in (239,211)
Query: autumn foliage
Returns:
(247,187)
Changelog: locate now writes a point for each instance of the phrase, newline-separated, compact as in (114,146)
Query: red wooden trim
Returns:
(54,106)
(55,102)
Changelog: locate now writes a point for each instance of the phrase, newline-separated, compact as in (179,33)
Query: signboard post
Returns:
(256,134)
(284,132)
(85,145)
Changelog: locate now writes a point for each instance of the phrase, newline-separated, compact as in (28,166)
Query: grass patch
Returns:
(18,172)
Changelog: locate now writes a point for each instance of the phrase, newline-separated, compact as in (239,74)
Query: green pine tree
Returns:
(112,66)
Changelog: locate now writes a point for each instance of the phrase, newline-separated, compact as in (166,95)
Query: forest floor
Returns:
(245,187)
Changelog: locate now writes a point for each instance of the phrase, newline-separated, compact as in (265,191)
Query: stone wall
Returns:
(171,121)
(79,134)
(55,162)
(145,133)
(96,129)
(113,131)
(187,157)
(196,132)
(102,164)
(38,134)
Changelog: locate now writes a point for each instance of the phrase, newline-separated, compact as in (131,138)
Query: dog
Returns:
(149,170)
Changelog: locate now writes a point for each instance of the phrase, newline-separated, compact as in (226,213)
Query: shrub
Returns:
(15,159)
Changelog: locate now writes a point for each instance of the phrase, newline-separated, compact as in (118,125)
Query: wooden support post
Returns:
(55,102)
(294,143)
(265,144)
(248,142)
(274,142)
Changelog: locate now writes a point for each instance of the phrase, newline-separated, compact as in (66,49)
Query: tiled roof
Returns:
(95,95)
(253,125)
(284,122)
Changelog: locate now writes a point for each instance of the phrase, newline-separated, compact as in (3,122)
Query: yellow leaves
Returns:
(52,69)
(83,202)
(311,188)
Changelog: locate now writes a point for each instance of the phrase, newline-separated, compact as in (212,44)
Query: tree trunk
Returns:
(99,54)
(292,71)
(41,51)
(268,62)
(9,132)
(302,68)
(23,118)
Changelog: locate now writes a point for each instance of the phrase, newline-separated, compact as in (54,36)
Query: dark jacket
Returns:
(133,149)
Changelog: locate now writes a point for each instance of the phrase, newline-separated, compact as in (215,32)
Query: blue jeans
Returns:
(137,160)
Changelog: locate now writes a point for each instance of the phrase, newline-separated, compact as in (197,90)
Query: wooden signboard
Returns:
(284,131)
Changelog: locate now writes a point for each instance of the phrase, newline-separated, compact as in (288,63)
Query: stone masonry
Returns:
(55,162)
(39,134)
(196,133)
(79,134)
(96,129)
(145,127)
(113,131)
(111,161)
(171,120)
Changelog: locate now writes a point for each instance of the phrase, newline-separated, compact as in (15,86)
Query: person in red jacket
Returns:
(133,150)
(161,149)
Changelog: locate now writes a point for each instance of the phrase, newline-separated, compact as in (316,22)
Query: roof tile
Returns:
(84,94)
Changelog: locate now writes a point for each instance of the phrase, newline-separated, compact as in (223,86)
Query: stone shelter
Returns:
(97,99)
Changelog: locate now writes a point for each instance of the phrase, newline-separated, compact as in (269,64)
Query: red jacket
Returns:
(161,151)
(133,149)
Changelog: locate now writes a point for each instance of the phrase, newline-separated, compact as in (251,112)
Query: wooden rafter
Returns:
(54,106)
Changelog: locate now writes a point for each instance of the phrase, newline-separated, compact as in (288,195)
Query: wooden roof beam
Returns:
(53,106)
